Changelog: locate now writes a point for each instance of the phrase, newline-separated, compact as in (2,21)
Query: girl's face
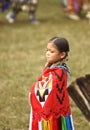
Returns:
(52,54)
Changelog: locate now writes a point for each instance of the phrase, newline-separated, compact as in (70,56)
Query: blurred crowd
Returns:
(73,9)
(16,6)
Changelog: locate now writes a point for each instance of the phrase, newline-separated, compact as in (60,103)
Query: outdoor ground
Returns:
(22,57)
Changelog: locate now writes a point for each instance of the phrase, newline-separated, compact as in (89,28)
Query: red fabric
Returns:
(52,106)
(35,125)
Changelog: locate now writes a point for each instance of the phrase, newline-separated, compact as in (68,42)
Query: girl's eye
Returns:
(52,51)
(49,50)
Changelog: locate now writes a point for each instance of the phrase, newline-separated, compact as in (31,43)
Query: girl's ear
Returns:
(63,55)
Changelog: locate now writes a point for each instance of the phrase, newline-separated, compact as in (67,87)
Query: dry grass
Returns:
(22,49)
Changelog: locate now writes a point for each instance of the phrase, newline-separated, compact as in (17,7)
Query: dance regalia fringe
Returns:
(72,5)
(50,107)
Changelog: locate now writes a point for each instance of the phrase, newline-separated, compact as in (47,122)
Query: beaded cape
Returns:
(50,107)
(49,95)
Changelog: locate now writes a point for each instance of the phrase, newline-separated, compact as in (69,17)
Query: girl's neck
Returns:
(59,63)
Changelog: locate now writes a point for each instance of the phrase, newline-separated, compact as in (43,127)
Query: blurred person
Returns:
(74,8)
(4,5)
(50,106)
(0,4)
(20,5)
(1,1)
(86,5)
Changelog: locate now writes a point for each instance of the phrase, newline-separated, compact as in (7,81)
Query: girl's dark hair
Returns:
(61,43)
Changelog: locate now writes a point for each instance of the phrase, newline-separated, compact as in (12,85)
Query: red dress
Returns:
(49,100)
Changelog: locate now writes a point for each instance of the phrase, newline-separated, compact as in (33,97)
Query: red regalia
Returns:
(49,99)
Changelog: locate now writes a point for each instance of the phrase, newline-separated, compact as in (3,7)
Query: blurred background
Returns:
(22,57)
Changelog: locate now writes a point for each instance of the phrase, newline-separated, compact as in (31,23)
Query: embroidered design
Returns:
(59,77)
(60,100)
(42,99)
(60,89)
(43,88)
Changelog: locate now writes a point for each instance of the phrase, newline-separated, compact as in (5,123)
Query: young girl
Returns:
(50,107)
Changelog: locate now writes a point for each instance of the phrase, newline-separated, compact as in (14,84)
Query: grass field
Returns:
(22,56)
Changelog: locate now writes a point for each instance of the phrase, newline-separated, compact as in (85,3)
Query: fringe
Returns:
(63,123)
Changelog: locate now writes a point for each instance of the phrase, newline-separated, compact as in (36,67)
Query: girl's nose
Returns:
(47,53)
